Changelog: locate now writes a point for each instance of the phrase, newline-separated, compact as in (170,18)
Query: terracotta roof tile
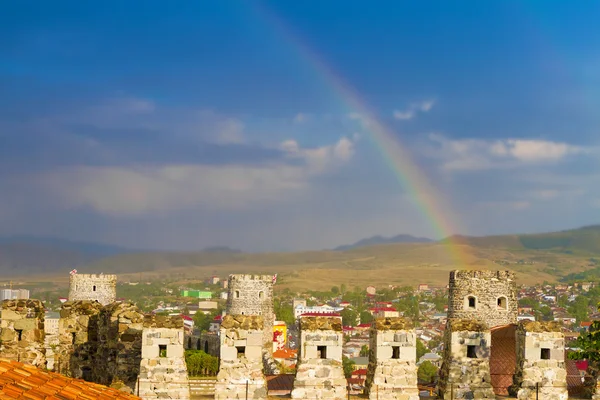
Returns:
(22,381)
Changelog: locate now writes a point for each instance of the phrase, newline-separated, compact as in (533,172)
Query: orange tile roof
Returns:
(24,381)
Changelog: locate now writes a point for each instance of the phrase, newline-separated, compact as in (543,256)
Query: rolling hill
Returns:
(375,240)
(534,257)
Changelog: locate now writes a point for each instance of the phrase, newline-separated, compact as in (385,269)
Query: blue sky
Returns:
(188,124)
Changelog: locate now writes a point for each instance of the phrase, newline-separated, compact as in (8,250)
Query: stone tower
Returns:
(22,327)
(485,296)
(253,295)
(101,288)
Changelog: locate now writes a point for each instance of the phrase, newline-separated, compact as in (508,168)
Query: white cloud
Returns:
(149,189)
(404,115)
(413,108)
(300,118)
(478,154)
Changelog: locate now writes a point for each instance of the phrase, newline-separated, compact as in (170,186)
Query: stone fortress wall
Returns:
(163,372)
(252,295)
(465,371)
(319,372)
(241,363)
(540,361)
(102,288)
(392,371)
(22,336)
(105,343)
(486,296)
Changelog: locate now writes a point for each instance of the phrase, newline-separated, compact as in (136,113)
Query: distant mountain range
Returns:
(24,255)
(375,240)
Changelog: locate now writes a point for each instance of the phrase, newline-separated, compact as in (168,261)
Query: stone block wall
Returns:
(22,336)
(465,371)
(102,288)
(163,372)
(210,343)
(486,296)
(392,371)
(120,327)
(319,372)
(540,361)
(241,365)
(78,339)
(253,295)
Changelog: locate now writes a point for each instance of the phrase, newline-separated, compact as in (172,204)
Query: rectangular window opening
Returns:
(471,351)
(396,352)
(322,352)
(472,302)
(162,350)
(545,355)
(73,337)
(241,351)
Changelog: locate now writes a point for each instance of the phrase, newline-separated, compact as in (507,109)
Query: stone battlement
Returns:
(321,324)
(250,277)
(163,321)
(95,277)
(481,274)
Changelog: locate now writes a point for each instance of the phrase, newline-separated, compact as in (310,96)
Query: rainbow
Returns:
(423,194)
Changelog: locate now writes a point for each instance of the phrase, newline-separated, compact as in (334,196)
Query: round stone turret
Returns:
(485,296)
(252,295)
(101,288)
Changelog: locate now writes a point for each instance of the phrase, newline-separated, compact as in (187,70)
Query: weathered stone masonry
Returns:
(241,364)
(319,373)
(540,361)
(486,296)
(465,372)
(101,288)
(392,372)
(253,295)
(23,331)
(163,372)
(78,339)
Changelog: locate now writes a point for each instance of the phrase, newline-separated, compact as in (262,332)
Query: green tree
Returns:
(202,321)
(421,349)
(579,308)
(348,366)
(364,351)
(200,363)
(335,290)
(343,288)
(365,317)
(427,372)
(349,316)
(284,312)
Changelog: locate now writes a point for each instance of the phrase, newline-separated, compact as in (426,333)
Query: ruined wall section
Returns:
(241,345)
(486,296)
(540,361)
(253,295)
(102,288)
(465,371)
(22,336)
(78,339)
(119,353)
(163,372)
(392,371)
(319,372)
